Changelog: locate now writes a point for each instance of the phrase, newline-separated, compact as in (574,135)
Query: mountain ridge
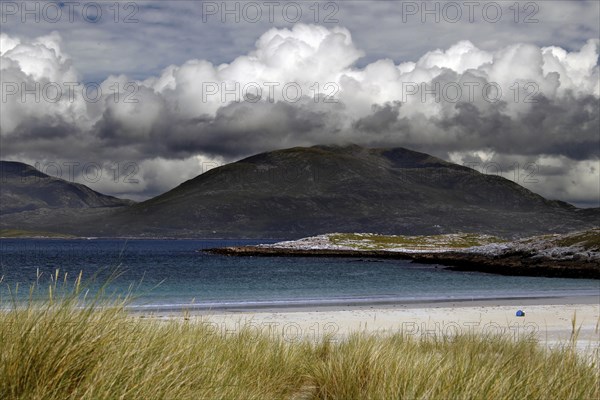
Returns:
(31,200)
(303,191)
(312,190)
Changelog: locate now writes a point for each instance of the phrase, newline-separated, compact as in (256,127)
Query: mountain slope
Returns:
(31,199)
(307,191)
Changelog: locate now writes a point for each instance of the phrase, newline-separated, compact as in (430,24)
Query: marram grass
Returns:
(60,350)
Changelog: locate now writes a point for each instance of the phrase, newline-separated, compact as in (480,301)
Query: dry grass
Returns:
(589,240)
(60,350)
(19,233)
(368,241)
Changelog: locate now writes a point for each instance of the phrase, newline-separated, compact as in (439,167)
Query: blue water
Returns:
(169,274)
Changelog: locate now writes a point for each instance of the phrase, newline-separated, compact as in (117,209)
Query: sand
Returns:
(549,320)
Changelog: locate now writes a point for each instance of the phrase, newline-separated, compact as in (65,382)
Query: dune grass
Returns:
(59,349)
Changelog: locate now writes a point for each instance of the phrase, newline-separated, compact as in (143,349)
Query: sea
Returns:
(161,275)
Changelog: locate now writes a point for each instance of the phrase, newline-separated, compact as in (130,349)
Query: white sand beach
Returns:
(549,320)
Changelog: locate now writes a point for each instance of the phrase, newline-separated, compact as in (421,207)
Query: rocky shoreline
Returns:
(546,256)
(514,264)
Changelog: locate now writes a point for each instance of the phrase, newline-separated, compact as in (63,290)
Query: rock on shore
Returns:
(573,255)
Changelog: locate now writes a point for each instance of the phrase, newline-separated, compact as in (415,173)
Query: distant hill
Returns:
(32,200)
(307,191)
(294,193)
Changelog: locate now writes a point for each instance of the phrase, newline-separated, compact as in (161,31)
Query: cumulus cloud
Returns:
(302,86)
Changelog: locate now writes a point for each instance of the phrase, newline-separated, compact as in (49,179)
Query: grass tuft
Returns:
(61,349)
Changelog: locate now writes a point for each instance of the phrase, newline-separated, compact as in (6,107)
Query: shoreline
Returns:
(514,264)
(348,305)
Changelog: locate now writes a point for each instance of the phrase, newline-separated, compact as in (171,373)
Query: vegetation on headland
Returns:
(369,241)
(19,233)
(60,349)
(570,255)
(589,240)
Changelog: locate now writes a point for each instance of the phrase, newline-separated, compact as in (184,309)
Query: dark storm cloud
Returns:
(237,130)
(566,126)
(383,119)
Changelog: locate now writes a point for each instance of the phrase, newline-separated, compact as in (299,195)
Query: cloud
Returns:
(302,86)
(178,31)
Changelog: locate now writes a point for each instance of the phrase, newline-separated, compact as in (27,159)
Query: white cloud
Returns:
(175,118)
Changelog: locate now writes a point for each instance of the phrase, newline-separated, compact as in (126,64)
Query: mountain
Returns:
(32,200)
(307,191)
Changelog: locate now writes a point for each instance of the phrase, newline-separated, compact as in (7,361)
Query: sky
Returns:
(133,98)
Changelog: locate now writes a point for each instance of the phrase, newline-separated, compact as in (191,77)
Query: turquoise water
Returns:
(171,274)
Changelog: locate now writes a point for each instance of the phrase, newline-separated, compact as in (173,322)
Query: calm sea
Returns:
(171,274)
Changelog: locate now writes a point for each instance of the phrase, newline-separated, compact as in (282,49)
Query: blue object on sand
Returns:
(520,313)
